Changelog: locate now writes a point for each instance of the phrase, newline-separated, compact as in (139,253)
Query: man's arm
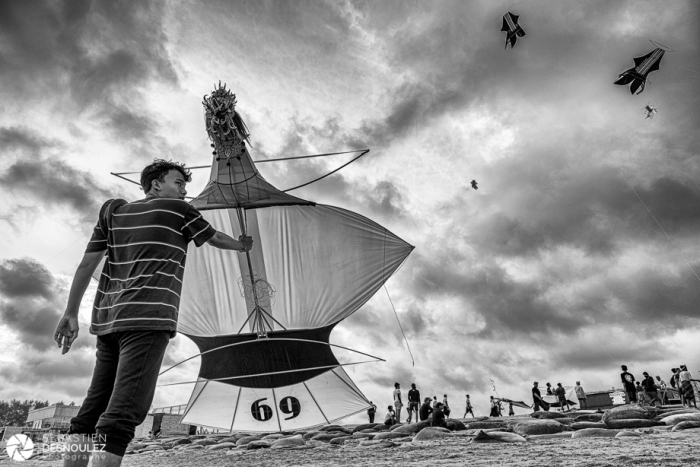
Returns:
(67,329)
(224,242)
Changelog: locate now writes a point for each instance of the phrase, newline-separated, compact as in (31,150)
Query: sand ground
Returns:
(656,448)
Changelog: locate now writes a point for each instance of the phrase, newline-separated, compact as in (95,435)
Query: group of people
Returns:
(421,410)
(561,399)
(651,391)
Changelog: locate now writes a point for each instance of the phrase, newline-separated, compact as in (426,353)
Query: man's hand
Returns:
(66,332)
(247,242)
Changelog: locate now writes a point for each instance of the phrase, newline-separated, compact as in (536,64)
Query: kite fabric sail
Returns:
(520,404)
(262,319)
(637,76)
(512,29)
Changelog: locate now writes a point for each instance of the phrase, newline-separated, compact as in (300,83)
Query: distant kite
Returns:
(637,76)
(512,29)
(474,185)
(650,110)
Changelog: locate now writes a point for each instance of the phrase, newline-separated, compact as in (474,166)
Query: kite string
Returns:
(413,362)
(662,229)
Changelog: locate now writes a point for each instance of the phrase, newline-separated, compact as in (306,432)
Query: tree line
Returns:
(14,412)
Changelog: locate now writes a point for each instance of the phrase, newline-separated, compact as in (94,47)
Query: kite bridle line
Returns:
(269,373)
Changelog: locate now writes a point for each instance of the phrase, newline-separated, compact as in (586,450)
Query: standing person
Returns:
(686,387)
(371,411)
(561,395)
(550,391)
(628,384)
(413,402)
(510,409)
(390,416)
(469,408)
(494,408)
(435,401)
(136,305)
(640,393)
(661,384)
(439,416)
(537,400)
(675,383)
(446,407)
(650,392)
(425,409)
(580,395)
(397,401)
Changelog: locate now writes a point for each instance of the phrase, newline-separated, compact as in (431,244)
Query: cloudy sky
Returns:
(577,253)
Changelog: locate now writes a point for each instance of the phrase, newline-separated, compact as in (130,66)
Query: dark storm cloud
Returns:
(102,52)
(20,138)
(30,301)
(25,277)
(55,183)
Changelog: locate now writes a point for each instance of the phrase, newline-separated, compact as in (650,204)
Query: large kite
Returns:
(262,319)
(512,29)
(637,76)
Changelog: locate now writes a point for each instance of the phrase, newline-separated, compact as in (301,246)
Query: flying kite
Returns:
(474,185)
(512,29)
(650,110)
(637,76)
(262,319)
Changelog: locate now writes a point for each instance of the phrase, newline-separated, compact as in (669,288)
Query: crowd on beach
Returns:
(649,391)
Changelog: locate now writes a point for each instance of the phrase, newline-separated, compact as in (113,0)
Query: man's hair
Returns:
(158,169)
(396,385)
(413,385)
(624,367)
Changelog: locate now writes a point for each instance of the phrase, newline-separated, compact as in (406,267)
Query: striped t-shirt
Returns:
(146,243)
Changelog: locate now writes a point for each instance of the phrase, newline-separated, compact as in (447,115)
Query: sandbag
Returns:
(365,426)
(686,425)
(455,425)
(631,423)
(547,415)
(583,425)
(681,417)
(498,437)
(628,434)
(595,433)
(484,424)
(677,412)
(538,427)
(431,433)
(627,412)
(589,417)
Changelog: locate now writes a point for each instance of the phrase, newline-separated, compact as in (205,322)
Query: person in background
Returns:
(640,393)
(469,408)
(439,416)
(651,395)
(390,417)
(580,395)
(628,385)
(550,391)
(537,399)
(686,387)
(446,407)
(413,402)
(425,409)
(435,401)
(397,400)
(494,407)
(510,409)
(663,388)
(561,395)
(371,411)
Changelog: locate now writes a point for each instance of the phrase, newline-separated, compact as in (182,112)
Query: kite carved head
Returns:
(225,127)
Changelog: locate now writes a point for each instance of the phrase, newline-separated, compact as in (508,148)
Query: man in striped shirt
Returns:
(136,305)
